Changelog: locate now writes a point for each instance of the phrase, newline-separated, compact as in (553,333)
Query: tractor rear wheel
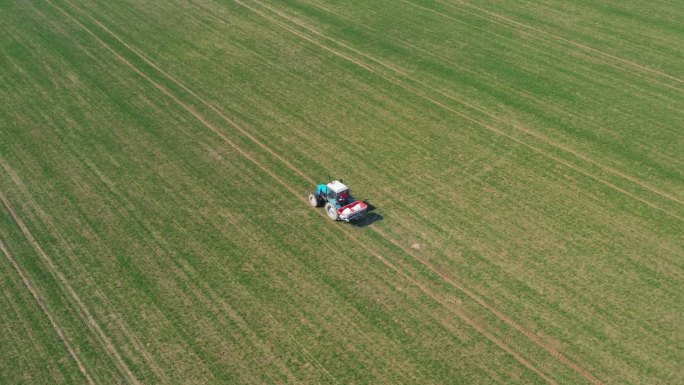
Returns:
(332,211)
(314,200)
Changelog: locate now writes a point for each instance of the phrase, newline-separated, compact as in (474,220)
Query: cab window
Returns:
(343,195)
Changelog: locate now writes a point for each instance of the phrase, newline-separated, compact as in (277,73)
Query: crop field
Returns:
(525,162)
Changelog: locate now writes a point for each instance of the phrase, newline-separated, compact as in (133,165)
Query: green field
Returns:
(525,161)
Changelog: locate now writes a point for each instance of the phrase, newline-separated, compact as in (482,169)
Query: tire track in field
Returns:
(491,128)
(225,306)
(413,91)
(109,185)
(461,314)
(517,126)
(178,83)
(596,59)
(218,299)
(41,303)
(445,60)
(114,316)
(531,47)
(187,108)
(82,309)
(194,275)
(351,325)
(118,319)
(24,339)
(496,17)
(469,321)
(204,293)
(531,336)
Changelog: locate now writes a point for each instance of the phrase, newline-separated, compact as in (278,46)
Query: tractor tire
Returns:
(332,211)
(314,200)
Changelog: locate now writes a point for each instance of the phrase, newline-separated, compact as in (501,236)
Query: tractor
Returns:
(339,204)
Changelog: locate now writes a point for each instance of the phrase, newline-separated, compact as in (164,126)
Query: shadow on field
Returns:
(369,219)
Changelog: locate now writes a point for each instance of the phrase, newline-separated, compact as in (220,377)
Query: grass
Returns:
(158,155)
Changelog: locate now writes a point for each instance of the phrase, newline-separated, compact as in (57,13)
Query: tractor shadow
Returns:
(369,219)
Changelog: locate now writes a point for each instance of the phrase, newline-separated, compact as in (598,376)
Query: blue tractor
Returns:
(339,204)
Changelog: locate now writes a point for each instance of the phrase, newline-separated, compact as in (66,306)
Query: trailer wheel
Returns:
(332,211)
(314,200)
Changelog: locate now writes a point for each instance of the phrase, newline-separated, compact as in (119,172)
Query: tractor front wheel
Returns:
(314,200)
(332,211)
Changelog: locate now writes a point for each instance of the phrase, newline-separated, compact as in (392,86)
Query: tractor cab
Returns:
(338,192)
